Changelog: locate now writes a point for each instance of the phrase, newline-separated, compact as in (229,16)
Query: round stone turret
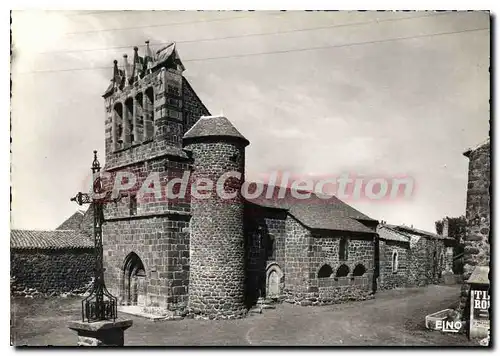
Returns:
(217,248)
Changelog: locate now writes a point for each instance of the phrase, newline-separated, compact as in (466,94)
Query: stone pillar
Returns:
(477,238)
(101,333)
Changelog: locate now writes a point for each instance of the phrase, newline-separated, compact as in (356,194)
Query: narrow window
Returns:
(133,205)
(118,125)
(149,113)
(325,271)
(343,249)
(129,121)
(139,117)
(395,261)
(271,247)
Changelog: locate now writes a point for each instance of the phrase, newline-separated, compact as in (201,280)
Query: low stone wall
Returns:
(395,280)
(50,272)
(334,290)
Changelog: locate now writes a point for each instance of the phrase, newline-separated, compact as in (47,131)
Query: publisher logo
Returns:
(449,326)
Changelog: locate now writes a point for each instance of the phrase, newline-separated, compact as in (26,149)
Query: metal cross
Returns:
(100,304)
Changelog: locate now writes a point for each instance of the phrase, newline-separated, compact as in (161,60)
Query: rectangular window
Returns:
(395,262)
(133,205)
(343,249)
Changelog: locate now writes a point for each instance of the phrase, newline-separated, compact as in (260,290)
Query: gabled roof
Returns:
(214,126)
(315,212)
(50,240)
(73,222)
(413,231)
(387,233)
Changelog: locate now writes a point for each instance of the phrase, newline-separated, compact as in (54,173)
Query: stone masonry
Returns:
(211,258)
(51,271)
(477,238)
(389,277)
(144,126)
(217,256)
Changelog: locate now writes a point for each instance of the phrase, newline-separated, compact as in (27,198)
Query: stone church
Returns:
(204,257)
(208,258)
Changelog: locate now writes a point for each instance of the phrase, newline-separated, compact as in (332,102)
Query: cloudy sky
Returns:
(369,93)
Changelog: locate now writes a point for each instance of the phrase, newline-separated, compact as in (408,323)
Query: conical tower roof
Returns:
(214,126)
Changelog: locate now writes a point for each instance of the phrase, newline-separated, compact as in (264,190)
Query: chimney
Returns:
(446,226)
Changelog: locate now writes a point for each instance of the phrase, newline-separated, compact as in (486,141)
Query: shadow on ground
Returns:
(393,318)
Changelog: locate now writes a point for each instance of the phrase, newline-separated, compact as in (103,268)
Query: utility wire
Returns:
(283,51)
(97,12)
(166,25)
(249,35)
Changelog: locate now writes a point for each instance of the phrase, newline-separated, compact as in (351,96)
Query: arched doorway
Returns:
(274,275)
(134,281)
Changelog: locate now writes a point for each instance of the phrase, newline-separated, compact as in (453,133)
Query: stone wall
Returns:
(424,262)
(152,226)
(477,239)
(389,278)
(307,252)
(193,106)
(162,244)
(325,250)
(51,272)
(217,254)
(262,226)
(297,277)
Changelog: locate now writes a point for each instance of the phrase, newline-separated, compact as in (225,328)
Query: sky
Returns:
(367,93)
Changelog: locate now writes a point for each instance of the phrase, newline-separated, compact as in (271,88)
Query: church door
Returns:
(141,290)
(134,281)
(273,290)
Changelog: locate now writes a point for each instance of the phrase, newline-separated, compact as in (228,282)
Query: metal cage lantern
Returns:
(100,304)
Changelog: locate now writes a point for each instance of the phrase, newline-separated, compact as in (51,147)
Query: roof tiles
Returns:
(214,126)
(50,240)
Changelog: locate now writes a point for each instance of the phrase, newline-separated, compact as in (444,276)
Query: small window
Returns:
(342,271)
(234,158)
(271,247)
(343,249)
(325,271)
(133,205)
(359,270)
(395,261)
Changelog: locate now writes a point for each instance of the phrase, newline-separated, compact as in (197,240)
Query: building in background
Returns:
(212,258)
(50,263)
(409,257)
